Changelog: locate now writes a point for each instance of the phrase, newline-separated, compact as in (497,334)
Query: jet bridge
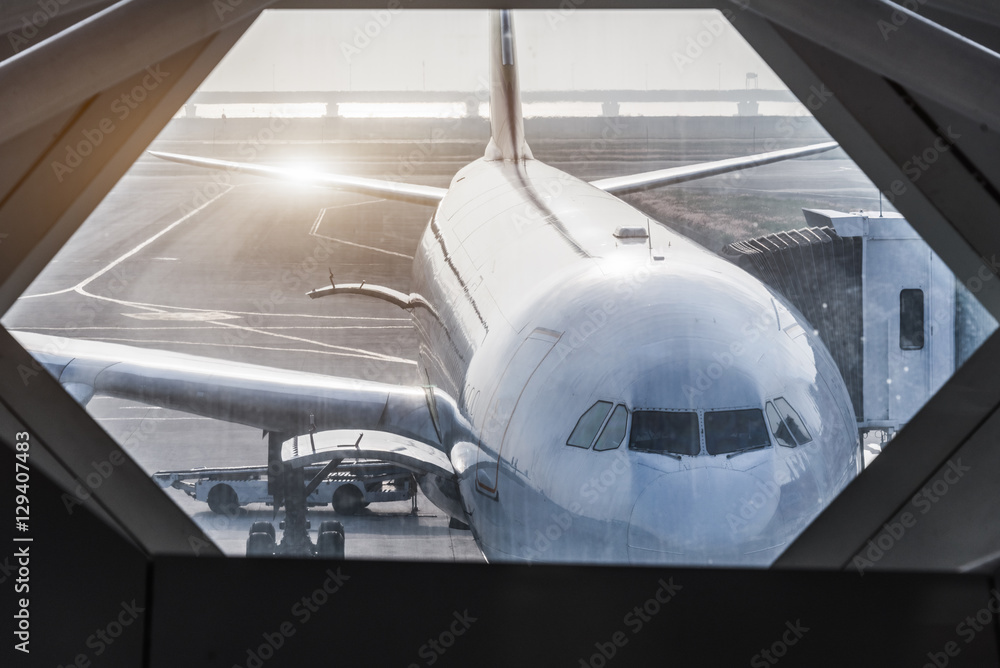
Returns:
(895,319)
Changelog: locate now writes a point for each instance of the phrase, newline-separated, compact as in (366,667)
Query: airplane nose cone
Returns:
(704,516)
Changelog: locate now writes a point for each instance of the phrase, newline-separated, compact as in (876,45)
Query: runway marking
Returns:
(361,354)
(319,219)
(159,307)
(211,316)
(114,263)
(187,316)
(206,327)
(145,417)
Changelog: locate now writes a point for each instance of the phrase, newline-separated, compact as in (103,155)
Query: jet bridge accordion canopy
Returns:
(820,273)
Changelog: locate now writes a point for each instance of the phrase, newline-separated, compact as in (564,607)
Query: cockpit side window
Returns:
(794,422)
(735,431)
(665,431)
(778,428)
(614,431)
(588,425)
(786,424)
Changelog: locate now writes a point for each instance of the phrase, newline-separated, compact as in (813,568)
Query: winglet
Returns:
(506,124)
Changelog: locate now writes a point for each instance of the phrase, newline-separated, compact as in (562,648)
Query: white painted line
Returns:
(114,263)
(319,219)
(361,354)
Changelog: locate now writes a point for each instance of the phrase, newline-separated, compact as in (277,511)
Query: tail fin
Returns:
(506,124)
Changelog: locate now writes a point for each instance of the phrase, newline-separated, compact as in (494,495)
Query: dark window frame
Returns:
(762,425)
(597,430)
(607,424)
(912,319)
(698,436)
(800,434)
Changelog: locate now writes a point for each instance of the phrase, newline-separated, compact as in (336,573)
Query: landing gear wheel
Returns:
(347,500)
(457,524)
(222,499)
(260,544)
(330,544)
(263,527)
(331,525)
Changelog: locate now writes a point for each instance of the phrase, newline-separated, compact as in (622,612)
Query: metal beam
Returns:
(39,211)
(74,63)
(881,127)
(898,44)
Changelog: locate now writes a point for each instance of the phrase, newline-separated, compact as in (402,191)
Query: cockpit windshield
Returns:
(665,431)
(735,431)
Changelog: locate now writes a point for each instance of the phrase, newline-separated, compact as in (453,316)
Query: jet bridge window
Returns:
(911,319)
(786,424)
(665,431)
(735,431)
(614,431)
(588,424)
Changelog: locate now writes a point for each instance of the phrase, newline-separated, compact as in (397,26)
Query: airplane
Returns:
(600,389)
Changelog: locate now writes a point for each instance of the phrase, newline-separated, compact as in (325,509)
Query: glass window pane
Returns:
(733,431)
(614,432)
(662,431)
(911,319)
(794,422)
(587,426)
(778,428)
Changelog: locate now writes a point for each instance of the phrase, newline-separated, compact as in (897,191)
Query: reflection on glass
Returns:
(733,431)
(588,424)
(614,432)
(217,265)
(664,431)
(911,319)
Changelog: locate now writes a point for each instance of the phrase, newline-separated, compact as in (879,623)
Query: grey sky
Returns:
(447,50)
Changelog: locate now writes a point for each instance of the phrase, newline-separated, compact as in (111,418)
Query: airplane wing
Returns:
(403,192)
(623,185)
(274,400)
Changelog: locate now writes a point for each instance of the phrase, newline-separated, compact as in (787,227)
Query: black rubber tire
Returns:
(260,544)
(347,500)
(222,499)
(331,525)
(330,545)
(263,527)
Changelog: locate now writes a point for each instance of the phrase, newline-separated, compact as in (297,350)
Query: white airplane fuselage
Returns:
(540,311)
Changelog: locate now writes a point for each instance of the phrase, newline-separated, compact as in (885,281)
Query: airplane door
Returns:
(504,403)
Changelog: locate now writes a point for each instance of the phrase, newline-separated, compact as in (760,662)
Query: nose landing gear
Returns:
(293,491)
